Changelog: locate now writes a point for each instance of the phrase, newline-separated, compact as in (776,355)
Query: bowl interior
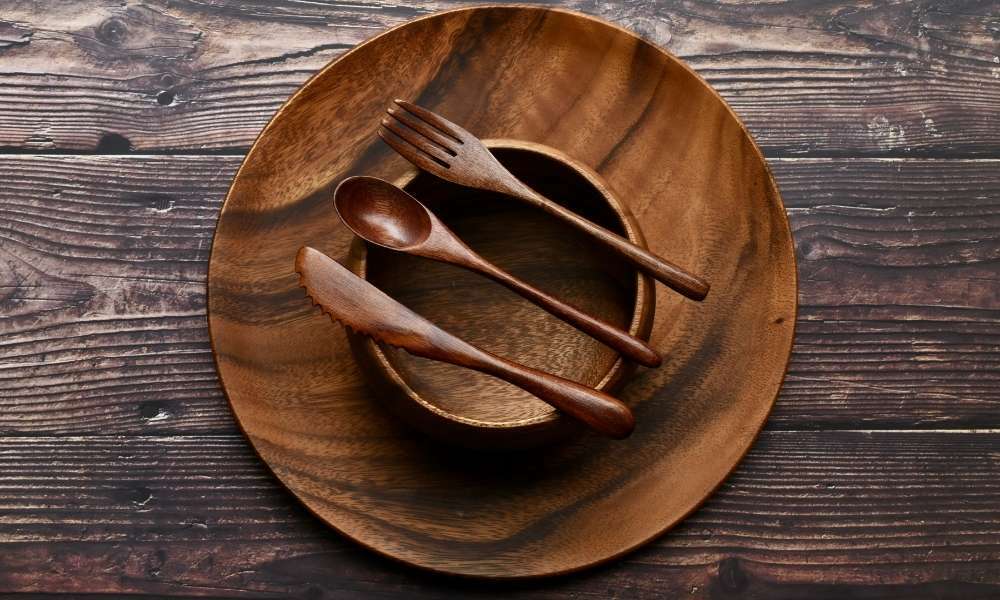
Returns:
(534,247)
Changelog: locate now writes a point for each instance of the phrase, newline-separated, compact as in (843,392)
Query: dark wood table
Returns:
(123,474)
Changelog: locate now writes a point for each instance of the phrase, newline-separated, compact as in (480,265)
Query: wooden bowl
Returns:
(472,409)
(677,158)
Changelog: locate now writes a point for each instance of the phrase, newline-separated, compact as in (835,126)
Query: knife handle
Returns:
(597,410)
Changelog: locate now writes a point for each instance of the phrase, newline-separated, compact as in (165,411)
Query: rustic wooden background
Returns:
(122,473)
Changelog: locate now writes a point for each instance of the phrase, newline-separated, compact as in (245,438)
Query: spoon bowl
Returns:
(376,211)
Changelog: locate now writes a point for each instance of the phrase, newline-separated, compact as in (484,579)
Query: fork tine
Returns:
(425,129)
(404,149)
(443,125)
(416,140)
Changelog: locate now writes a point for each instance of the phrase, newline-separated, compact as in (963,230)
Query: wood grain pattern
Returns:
(292,379)
(829,77)
(806,515)
(897,326)
(133,357)
(899,293)
(102,268)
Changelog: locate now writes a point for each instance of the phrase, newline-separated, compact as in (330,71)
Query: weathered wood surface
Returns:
(827,77)
(122,474)
(104,262)
(806,515)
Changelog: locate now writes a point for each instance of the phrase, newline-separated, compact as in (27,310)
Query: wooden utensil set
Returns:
(387,216)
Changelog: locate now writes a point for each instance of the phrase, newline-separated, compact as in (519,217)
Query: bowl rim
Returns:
(640,325)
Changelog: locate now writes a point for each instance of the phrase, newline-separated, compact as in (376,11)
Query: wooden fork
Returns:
(445,150)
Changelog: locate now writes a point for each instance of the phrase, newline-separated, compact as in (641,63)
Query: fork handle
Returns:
(676,278)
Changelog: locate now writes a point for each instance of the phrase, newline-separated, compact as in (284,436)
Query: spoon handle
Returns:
(660,269)
(629,346)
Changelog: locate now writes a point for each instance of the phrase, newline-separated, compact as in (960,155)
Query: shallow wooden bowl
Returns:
(676,157)
(472,409)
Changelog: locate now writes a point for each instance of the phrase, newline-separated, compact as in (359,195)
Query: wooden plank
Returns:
(899,292)
(823,514)
(810,78)
(102,267)
(103,263)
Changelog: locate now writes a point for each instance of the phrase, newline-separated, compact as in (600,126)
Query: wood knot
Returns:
(113,143)
(165,98)
(732,579)
(112,31)
(993,27)
(153,412)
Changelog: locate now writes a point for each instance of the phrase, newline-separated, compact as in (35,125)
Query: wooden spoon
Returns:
(369,311)
(387,216)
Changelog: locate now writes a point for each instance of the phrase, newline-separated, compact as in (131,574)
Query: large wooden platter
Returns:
(685,168)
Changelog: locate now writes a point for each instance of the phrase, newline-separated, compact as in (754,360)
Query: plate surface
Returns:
(676,156)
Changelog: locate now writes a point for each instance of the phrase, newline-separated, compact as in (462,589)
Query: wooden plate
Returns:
(672,151)
(472,409)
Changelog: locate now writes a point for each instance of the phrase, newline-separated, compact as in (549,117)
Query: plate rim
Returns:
(669,523)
